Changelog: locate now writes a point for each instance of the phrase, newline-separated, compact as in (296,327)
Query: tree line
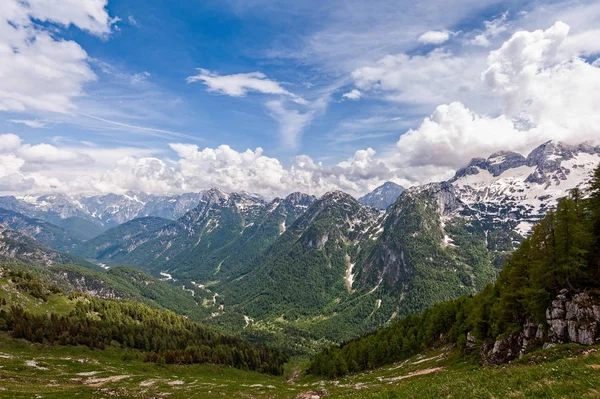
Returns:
(98,323)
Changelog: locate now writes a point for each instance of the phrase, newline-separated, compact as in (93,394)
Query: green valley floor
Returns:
(40,371)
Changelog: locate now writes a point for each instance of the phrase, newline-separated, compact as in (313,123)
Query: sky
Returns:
(271,97)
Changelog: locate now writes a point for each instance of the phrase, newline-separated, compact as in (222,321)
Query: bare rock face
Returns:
(471,342)
(569,319)
(574,320)
(504,349)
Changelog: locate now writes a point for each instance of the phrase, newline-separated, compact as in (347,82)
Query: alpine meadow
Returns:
(302,200)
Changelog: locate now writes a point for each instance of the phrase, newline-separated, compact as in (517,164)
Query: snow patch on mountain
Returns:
(508,186)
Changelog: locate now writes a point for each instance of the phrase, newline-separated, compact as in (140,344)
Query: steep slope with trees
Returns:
(98,323)
(561,255)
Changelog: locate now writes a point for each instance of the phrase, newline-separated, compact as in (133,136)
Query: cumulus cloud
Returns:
(43,168)
(353,94)
(421,79)
(38,71)
(252,171)
(239,84)
(449,138)
(9,142)
(544,96)
(48,154)
(434,37)
(546,87)
(557,95)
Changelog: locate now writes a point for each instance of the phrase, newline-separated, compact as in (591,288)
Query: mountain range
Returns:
(328,268)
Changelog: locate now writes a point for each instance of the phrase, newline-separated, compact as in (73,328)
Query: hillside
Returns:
(546,294)
(16,246)
(55,372)
(121,369)
(39,312)
(216,240)
(47,233)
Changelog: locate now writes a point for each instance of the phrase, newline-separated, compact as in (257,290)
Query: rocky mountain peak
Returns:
(214,196)
(443,193)
(337,197)
(549,155)
(383,196)
(500,161)
(298,198)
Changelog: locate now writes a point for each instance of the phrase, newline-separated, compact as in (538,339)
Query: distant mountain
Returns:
(510,188)
(47,233)
(16,246)
(336,268)
(383,196)
(216,239)
(87,216)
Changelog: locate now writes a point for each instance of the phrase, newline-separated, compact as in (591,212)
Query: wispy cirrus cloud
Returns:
(33,123)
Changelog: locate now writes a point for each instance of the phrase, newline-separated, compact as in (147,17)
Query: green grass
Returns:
(77,372)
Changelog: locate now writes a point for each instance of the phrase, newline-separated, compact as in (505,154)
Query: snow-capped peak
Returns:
(508,186)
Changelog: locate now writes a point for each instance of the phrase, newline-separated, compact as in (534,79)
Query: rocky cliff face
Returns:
(574,319)
(569,319)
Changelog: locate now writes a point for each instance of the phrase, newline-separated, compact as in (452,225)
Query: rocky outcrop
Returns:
(569,319)
(574,320)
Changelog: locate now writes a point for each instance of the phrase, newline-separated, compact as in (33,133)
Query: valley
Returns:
(333,288)
(301,272)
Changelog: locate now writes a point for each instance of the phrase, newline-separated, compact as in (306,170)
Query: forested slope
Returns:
(561,255)
(38,312)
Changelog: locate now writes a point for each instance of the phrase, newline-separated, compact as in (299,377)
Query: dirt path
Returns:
(98,382)
(416,373)
(295,375)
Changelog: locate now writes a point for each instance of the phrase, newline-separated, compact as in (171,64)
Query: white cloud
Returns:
(353,94)
(89,15)
(252,171)
(43,168)
(541,84)
(48,154)
(9,142)
(450,137)
(436,77)
(133,21)
(546,89)
(493,29)
(238,85)
(291,122)
(434,37)
(150,175)
(38,71)
(33,123)
(553,96)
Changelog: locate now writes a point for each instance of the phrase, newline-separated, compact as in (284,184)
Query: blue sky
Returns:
(306,81)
